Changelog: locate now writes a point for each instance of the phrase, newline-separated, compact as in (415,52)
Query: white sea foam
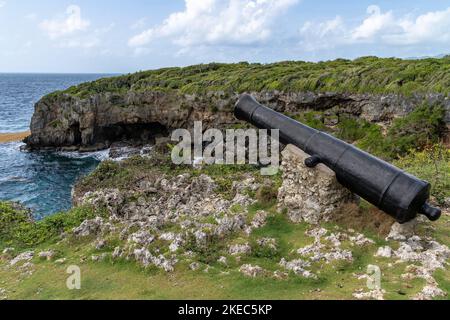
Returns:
(101,155)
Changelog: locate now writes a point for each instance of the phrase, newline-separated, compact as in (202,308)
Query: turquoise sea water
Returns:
(41,180)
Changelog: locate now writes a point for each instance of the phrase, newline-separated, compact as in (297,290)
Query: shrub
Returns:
(352,129)
(18,228)
(13,219)
(267,252)
(432,165)
(374,142)
(267,195)
(208,253)
(419,129)
(313,119)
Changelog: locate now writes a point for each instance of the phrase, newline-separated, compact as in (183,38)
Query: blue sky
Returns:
(118,36)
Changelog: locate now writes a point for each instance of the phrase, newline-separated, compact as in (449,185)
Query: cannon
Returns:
(392,190)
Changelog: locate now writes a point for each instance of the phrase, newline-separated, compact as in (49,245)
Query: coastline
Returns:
(13,137)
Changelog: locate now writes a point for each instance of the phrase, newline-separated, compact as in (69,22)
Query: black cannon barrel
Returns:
(394,191)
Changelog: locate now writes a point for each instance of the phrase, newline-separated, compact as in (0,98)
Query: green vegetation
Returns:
(353,129)
(363,75)
(121,279)
(313,119)
(421,128)
(432,165)
(417,130)
(17,228)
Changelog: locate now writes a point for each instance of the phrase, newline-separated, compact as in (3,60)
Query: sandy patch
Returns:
(11,137)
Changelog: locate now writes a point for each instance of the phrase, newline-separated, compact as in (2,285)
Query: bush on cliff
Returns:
(353,129)
(363,75)
(17,228)
(419,129)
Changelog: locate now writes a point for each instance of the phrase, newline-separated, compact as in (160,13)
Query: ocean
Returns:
(41,181)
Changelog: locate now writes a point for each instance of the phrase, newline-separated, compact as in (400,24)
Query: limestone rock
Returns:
(142,238)
(25,256)
(251,271)
(430,292)
(146,258)
(360,240)
(117,253)
(99,258)
(61,261)
(89,227)
(47,255)
(376,294)
(240,249)
(309,194)
(65,120)
(194,266)
(3,294)
(99,244)
(298,267)
(401,232)
(384,252)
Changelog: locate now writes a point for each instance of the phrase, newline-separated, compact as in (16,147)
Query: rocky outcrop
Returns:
(312,195)
(69,122)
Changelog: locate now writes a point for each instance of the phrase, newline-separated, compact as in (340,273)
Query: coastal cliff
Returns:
(141,106)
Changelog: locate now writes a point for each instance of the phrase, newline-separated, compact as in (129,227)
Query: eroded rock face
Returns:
(309,194)
(95,122)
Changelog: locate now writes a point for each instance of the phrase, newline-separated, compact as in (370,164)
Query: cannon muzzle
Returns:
(392,190)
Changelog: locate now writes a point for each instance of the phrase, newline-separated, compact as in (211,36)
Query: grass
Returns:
(126,280)
(18,229)
(363,75)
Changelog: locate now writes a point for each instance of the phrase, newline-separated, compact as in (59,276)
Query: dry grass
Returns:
(364,219)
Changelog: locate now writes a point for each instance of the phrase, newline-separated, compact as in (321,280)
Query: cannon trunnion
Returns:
(394,191)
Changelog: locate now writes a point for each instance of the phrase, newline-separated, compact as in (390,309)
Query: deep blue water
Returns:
(41,180)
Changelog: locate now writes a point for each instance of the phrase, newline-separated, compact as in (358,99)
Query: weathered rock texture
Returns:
(63,120)
(309,194)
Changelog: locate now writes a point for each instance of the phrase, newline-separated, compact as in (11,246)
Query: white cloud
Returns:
(379,28)
(71,23)
(322,35)
(376,23)
(431,27)
(216,22)
(72,31)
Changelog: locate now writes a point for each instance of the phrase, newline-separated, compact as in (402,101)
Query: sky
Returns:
(116,36)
